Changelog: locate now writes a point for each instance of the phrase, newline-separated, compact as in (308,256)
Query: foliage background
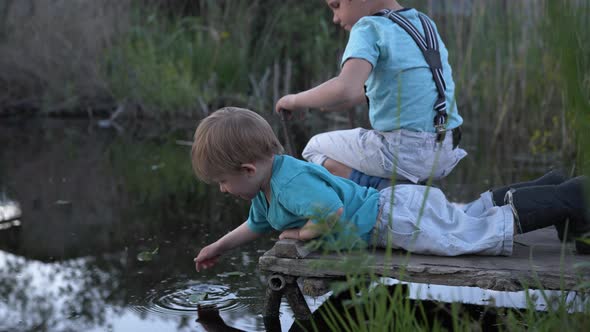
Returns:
(521,67)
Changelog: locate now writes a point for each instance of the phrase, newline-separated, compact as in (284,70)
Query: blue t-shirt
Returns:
(400,67)
(301,191)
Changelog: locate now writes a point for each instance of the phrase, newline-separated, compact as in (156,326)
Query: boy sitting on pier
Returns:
(238,149)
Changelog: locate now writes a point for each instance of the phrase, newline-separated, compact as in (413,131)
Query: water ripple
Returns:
(182,298)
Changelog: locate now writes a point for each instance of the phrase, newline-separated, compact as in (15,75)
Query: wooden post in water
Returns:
(279,285)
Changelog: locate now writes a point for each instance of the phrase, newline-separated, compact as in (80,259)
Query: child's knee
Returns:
(312,153)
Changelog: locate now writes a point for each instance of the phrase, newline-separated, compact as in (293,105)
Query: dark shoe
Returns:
(575,227)
(542,206)
(552,177)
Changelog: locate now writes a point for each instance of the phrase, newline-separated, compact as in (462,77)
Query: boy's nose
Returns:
(222,188)
(335,19)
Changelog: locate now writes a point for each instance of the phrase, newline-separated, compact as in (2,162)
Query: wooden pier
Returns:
(539,261)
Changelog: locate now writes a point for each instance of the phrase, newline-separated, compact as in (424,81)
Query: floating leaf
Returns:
(146,256)
(196,298)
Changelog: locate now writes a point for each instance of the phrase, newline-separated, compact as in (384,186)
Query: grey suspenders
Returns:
(430,50)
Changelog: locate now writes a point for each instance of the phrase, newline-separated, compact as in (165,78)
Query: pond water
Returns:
(96,202)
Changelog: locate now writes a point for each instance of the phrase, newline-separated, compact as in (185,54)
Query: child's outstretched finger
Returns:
(200,266)
(204,264)
(197,265)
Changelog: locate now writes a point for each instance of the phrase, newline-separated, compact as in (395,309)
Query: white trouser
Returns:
(410,154)
(427,223)
(480,205)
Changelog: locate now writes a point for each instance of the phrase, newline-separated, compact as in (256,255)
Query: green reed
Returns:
(195,64)
(172,62)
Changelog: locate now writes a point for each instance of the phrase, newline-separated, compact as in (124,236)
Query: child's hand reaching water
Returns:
(207,257)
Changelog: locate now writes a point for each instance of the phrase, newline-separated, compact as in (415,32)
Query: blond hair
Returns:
(228,138)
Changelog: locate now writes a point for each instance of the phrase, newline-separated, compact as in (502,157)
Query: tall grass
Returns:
(382,308)
(569,47)
(224,56)
(185,58)
(508,86)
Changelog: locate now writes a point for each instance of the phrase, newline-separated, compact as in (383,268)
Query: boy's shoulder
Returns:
(285,163)
(379,22)
(408,13)
(287,168)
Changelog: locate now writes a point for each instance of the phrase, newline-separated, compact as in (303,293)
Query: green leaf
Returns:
(146,256)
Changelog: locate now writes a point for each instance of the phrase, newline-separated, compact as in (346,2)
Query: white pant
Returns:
(480,205)
(443,228)
(409,154)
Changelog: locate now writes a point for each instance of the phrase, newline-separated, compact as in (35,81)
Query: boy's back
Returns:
(415,123)
(400,89)
(299,188)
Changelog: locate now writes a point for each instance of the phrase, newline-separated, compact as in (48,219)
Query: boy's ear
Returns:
(249,169)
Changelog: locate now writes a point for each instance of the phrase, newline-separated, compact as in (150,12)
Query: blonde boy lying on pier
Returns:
(238,149)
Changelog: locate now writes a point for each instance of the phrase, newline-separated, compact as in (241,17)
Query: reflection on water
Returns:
(92,200)
(51,296)
(9,210)
(9,224)
(486,297)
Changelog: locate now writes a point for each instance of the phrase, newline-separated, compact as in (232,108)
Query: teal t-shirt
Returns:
(301,191)
(400,88)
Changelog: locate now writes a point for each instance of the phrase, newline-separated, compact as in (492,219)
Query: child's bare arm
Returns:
(309,231)
(344,90)
(207,257)
(360,99)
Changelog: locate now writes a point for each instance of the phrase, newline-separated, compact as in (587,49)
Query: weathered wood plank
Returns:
(538,261)
(290,248)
